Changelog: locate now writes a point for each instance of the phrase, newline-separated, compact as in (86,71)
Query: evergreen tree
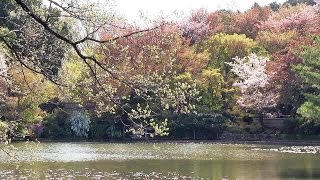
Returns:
(309,70)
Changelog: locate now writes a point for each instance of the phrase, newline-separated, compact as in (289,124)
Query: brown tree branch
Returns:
(75,45)
(16,55)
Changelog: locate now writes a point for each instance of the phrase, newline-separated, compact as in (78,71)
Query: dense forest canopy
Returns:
(75,69)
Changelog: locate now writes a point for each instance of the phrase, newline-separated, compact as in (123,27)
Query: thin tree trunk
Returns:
(261,118)
(194,133)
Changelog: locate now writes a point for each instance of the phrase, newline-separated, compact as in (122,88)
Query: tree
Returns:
(300,18)
(210,83)
(274,42)
(3,79)
(309,72)
(296,2)
(285,81)
(44,51)
(283,34)
(33,90)
(254,82)
(150,62)
(196,28)
(274,6)
(248,22)
(105,76)
(221,49)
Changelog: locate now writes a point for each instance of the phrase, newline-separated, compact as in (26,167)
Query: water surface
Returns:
(158,161)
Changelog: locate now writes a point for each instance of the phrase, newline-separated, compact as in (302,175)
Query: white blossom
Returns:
(250,70)
(3,75)
(254,81)
(80,124)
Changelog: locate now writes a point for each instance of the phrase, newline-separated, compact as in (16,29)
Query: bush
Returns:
(56,125)
(103,129)
(201,126)
(301,127)
(3,132)
(309,128)
(254,128)
(291,126)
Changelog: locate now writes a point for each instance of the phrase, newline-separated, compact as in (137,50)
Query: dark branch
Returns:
(16,55)
(75,45)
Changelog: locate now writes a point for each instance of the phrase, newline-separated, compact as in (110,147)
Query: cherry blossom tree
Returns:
(3,92)
(80,124)
(3,76)
(256,93)
(197,27)
(301,18)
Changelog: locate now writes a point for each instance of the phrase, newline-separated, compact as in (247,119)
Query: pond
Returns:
(159,161)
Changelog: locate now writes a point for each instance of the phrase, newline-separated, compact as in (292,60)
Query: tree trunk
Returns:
(194,133)
(261,118)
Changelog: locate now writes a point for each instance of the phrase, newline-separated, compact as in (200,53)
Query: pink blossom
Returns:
(197,31)
(296,21)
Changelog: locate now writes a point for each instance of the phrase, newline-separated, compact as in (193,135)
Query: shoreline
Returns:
(253,142)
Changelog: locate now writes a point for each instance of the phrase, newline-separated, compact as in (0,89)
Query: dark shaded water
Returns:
(156,161)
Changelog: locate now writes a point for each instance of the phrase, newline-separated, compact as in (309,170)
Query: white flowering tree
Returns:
(80,124)
(3,90)
(3,75)
(256,93)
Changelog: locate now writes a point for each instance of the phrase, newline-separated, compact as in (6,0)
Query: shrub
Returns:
(56,125)
(3,132)
(200,126)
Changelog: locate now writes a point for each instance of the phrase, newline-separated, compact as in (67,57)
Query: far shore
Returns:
(259,142)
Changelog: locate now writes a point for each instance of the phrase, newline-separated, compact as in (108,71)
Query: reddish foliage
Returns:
(249,21)
(304,21)
(281,67)
(196,27)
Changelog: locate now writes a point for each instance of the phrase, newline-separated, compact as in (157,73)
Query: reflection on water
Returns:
(156,161)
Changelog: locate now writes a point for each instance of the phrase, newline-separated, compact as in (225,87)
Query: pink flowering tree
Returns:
(197,28)
(301,19)
(256,93)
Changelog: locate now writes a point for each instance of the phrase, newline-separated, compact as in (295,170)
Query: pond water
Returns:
(159,161)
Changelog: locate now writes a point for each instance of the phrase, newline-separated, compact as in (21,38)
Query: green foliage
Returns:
(274,6)
(156,78)
(309,70)
(223,47)
(57,126)
(296,2)
(35,90)
(300,127)
(43,51)
(210,83)
(275,41)
(201,126)
(3,131)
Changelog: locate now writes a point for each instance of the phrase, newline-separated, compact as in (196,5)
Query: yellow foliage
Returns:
(223,47)
(35,89)
(275,41)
